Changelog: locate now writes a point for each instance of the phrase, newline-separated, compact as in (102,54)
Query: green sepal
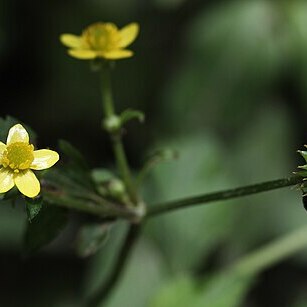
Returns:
(95,65)
(301,173)
(33,207)
(303,154)
(91,238)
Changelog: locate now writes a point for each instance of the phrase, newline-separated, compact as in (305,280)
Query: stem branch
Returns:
(223,195)
(103,293)
(118,148)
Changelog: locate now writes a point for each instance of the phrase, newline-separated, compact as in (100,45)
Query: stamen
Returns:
(101,36)
(18,156)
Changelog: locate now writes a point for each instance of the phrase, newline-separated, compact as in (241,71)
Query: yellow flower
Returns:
(101,40)
(18,158)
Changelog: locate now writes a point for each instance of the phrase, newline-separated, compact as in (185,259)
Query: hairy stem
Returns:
(106,92)
(102,208)
(118,148)
(222,195)
(103,293)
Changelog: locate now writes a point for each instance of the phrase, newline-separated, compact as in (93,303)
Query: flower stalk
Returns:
(223,195)
(115,133)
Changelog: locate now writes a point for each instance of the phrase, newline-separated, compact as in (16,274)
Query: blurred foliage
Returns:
(44,227)
(91,238)
(223,83)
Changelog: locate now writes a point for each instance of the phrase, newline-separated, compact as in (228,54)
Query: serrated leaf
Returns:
(45,227)
(33,207)
(91,238)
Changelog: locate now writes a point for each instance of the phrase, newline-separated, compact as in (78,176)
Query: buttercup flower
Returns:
(18,158)
(101,40)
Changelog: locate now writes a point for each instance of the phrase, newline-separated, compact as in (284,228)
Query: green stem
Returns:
(103,208)
(272,253)
(118,148)
(103,293)
(223,195)
(106,92)
(123,166)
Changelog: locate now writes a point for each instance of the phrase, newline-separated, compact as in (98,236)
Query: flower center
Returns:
(102,36)
(18,156)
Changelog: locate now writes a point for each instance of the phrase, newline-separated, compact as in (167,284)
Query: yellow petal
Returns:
(17,134)
(109,26)
(82,54)
(2,147)
(70,40)
(6,180)
(27,183)
(44,158)
(117,54)
(128,34)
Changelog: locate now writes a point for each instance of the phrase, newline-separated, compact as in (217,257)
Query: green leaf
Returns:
(74,154)
(91,238)
(130,114)
(228,288)
(198,169)
(33,207)
(222,290)
(163,155)
(76,171)
(45,227)
(180,292)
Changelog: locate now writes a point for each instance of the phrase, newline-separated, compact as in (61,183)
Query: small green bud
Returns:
(112,123)
(117,188)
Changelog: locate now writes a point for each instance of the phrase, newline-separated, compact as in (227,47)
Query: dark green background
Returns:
(222,82)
